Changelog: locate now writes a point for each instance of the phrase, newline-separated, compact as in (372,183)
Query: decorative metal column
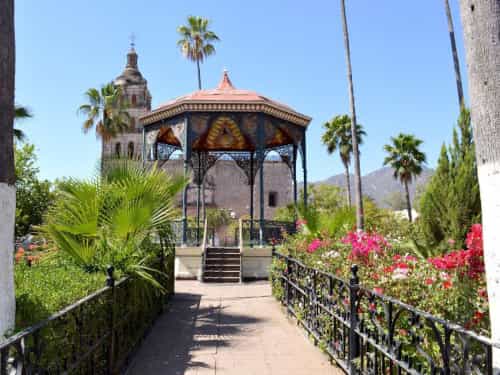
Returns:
(251,182)
(304,167)
(260,158)
(294,175)
(187,157)
(198,198)
(143,153)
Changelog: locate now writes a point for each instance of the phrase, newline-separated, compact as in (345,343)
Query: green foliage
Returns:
(105,111)
(21,113)
(395,201)
(405,157)
(118,219)
(217,217)
(33,195)
(196,40)
(451,203)
(338,136)
(49,286)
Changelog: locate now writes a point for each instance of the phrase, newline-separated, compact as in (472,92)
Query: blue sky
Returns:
(291,51)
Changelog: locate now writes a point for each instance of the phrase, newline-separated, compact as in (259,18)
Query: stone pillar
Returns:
(251,182)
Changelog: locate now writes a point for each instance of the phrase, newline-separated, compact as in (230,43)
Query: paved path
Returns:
(235,329)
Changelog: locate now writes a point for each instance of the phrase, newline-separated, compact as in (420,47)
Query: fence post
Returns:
(287,289)
(353,319)
(110,282)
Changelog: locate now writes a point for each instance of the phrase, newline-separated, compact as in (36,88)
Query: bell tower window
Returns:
(131,150)
(118,149)
(134,100)
(273,199)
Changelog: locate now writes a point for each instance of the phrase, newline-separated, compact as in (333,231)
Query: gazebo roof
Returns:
(225,98)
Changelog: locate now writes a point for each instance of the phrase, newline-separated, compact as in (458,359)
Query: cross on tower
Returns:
(132,41)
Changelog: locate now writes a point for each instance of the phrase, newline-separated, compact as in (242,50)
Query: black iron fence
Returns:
(96,335)
(368,333)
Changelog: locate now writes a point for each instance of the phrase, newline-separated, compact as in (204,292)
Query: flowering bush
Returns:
(363,244)
(452,286)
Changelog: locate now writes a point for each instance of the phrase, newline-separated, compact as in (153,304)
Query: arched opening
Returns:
(134,99)
(118,149)
(130,150)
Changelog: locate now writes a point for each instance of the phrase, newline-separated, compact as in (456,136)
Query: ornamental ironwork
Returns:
(368,333)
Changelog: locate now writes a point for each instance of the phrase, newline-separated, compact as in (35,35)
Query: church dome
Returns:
(131,75)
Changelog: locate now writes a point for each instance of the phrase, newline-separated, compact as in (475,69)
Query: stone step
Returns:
(221,279)
(222,273)
(222,256)
(222,261)
(225,267)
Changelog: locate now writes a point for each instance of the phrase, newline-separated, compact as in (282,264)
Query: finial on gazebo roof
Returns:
(225,83)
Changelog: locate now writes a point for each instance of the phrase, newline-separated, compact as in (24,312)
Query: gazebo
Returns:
(207,125)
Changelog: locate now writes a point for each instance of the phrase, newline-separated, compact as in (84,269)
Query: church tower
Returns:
(135,91)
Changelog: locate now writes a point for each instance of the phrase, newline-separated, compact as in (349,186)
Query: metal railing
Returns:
(368,333)
(266,232)
(95,335)
(193,235)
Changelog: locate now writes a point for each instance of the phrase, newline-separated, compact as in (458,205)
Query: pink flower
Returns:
(429,281)
(314,245)
(378,290)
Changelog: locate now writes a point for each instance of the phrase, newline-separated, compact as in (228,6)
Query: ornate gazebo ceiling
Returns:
(225,119)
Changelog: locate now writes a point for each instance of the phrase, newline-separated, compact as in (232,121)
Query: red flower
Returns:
(482,293)
(447,284)
(378,290)
(429,281)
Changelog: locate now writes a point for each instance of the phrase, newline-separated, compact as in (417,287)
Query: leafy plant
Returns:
(117,219)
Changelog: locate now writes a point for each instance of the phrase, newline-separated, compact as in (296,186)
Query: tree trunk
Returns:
(481,27)
(408,201)
(355,149)
(7,172)
(458,76)
(348,184)
(199,74)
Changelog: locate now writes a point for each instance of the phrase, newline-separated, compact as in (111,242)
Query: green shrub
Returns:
(50,285)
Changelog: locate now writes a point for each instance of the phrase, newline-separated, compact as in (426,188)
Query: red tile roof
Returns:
(225,94)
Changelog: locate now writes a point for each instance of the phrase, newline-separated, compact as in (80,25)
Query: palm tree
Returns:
(7,171)
(481,28)
(355,149)
(456,63)
(21,113)
(115,218)
(337,136)
(106,111)
(407,161)
(196,41)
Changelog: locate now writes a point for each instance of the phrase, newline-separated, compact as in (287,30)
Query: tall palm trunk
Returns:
(481,27)
(355,149)
(347,184)
(199,73)
(7,173)
(408,200)
(458,76)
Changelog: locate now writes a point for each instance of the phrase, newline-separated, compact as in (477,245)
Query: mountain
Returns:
(380,183)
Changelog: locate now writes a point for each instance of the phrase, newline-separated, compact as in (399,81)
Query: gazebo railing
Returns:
(194,235)
(368,333)
(266,232)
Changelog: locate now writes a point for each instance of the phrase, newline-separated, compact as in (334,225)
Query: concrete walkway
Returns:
(236,329)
